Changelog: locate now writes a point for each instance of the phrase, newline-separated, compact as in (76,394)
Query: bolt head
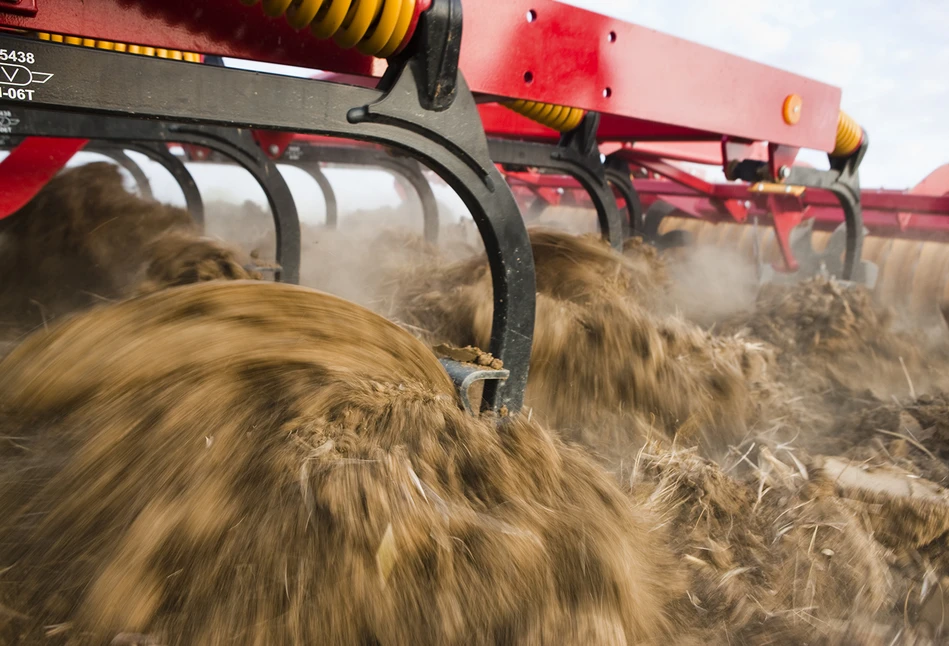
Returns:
(274,149)
(784,172)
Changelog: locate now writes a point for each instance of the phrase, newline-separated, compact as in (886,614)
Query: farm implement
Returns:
(516,104)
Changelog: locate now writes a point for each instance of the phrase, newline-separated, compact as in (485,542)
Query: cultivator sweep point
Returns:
(826,262)
(501,119)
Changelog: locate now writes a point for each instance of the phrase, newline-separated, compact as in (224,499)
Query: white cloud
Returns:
(904,55)
(933,87)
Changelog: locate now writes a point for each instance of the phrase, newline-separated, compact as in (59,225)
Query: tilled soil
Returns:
(824,520)
(192,457)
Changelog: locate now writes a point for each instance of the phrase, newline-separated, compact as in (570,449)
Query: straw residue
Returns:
(258,463)
(607,366)
(85,240)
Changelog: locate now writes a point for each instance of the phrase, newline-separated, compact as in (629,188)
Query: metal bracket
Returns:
(437,46)
(451,142)
(843,180)
(464,375)
(19,7)
(618,174)
(576,155)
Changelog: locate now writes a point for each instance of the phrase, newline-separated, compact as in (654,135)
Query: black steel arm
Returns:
(576,155)
(450,141)
(842,179)
(618,175)
(314,170)
(158,152)
(117,154)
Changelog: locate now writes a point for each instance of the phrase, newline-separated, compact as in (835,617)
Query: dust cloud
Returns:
(195,455)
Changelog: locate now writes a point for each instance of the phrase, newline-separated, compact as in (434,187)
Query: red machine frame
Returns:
(505,52)
(694,118)
(498,53)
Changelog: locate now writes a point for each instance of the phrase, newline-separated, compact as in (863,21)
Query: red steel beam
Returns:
(879,222)
(501,122)
(586,60)
(679,176)
(890,202)
(871,199)
(561,55)
(886,212)
(708,153)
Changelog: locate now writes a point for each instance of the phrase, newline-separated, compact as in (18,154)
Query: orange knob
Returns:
(792,109)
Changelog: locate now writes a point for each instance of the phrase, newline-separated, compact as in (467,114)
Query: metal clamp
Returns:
(464,375)
(843,180)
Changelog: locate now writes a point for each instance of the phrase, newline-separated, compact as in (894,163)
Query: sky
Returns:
(890,57)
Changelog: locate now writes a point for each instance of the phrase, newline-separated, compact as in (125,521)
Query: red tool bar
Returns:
(500,122)
(884,201)
(656,86)
(878,222)
(552,52)
(871,200)
(680,177)
(707,153)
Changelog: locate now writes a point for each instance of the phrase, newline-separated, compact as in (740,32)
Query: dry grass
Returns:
(262,464)
(608,367)
(244,462)
(84,240)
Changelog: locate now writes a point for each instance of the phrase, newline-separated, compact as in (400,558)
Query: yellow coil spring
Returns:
(374,27)
(849,136)
(141,50)
(558,117)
